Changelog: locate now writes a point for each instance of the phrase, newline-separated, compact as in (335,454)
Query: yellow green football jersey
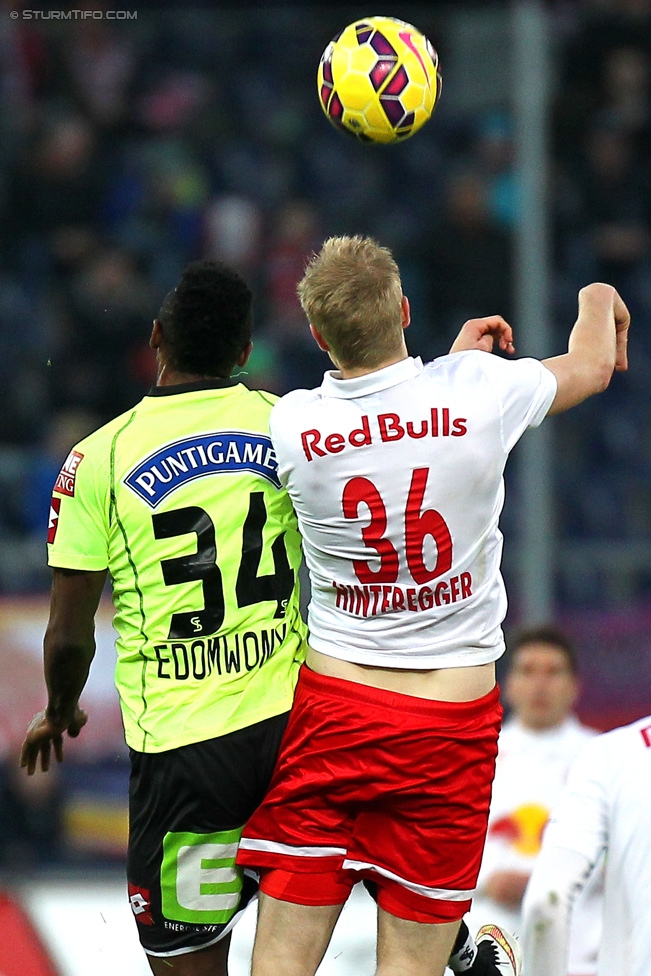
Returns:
(180,500)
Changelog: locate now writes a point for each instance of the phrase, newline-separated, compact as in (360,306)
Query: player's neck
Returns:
(349,373)
(173,377)
(541,727)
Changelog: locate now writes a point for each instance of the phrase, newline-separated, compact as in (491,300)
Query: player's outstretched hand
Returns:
(608,298)
(483,333)
(622,323)
(43,734)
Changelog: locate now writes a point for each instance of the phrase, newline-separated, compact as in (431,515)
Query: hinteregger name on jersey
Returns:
(387,427)
(197,659)
(375,598)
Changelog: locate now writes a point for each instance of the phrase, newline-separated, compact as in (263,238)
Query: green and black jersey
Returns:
(180,500)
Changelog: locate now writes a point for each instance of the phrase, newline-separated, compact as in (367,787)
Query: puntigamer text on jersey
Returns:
(390,427)
(227,452)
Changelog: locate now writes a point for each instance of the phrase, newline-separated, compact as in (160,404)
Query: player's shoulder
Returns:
(292,405)
(99,441)
(295,397)
(255,407)
(511,730)
(472,369)
(635,735)
(579,732)
(608,755)
(479,363)
(261,398)
(515,742)
(470,360)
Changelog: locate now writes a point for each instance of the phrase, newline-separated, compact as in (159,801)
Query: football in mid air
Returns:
(379,80)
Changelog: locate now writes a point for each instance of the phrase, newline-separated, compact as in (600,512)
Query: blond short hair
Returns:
(352,294)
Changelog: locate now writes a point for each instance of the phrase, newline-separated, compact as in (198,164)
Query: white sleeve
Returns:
(573,841)
(579,821)
(557,878)
(525,389)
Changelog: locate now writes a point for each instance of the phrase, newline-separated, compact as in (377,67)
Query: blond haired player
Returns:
(605,810)
(395,472)
(178,500)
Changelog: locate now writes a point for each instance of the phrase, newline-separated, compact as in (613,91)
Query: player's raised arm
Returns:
(596,348)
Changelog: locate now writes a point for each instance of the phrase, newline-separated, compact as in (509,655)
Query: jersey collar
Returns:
(380,379)
(216,384)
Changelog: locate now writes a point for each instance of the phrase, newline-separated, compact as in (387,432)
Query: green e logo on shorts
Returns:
(200,882)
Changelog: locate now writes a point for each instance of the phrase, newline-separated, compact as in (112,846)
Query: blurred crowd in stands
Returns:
(128,148)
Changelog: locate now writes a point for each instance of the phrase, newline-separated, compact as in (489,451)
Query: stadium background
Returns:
(129,147)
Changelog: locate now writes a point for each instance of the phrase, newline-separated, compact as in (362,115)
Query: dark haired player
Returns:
(537,746)
(178,500)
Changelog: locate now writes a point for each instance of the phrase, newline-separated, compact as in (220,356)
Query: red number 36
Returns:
(418,525)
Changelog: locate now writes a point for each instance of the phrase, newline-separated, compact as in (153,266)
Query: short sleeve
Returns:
(525,389)
(579,822)
(78,526)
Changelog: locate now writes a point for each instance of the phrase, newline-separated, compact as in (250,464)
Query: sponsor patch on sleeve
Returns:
(65,483)
(53,521)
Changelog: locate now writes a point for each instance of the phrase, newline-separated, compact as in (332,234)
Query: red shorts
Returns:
(377,785)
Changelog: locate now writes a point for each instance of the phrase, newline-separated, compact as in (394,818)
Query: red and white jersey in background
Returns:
(397,482)
(607,808)
(530,776)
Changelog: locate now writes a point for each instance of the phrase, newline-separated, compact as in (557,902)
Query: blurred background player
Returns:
(178,501)
(603,811)
(398,503)
(537,746)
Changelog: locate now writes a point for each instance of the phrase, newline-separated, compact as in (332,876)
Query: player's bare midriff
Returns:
(442,684)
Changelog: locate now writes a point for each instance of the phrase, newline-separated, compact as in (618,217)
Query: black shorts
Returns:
(187,808)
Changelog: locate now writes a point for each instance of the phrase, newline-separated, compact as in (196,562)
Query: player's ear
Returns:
(156,336)
(243,357)
(405,312)
(318,338)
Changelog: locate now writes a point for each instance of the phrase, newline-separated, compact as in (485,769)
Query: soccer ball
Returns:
(379,80)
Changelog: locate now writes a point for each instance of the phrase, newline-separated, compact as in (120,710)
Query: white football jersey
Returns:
(607,808)
(397,481)
(530,777)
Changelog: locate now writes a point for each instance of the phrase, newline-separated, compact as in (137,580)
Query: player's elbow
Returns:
(64,649)
(579,376)
(594,372)
(602,373)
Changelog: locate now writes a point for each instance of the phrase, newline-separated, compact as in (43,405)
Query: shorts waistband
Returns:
(312,681)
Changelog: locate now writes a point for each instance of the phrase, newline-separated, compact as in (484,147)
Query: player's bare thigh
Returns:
(406,948)
(211,961)
(444,684)
(291,940)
